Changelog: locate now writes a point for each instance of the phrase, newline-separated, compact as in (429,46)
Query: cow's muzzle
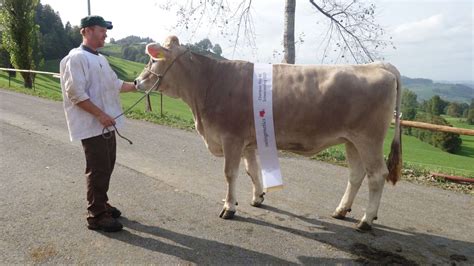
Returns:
(139,84)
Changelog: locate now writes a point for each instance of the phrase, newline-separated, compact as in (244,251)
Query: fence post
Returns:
(148,104)
(33,77)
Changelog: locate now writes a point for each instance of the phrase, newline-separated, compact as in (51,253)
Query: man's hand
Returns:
(106,120)
(128,87)
(92,109)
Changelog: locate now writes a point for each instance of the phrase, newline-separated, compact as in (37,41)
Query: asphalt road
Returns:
(169,188)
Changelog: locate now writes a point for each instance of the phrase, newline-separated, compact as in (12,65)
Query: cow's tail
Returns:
(394,162)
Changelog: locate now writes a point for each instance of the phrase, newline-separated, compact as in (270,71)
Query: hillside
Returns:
(426,88)
(117,50)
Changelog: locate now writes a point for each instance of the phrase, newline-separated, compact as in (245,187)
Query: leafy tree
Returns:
(204,45)
(4,56)
(436,106)
(409,104)
(217,49)
(55,40)
(409,107)
(5,59)
(454,109)
(74,35)
(449,142)
(130,53)
(19,34)
(470,114)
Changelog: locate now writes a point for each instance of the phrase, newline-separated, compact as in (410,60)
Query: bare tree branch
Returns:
(356,28)
(233,20)
(352,30)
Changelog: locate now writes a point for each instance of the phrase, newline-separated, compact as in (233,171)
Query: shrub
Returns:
(449,142)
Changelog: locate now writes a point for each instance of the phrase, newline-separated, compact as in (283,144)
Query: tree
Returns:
(454,109)
(409,104)
(19,34)
(5,59)
(436,106)
(217,49)
(73,34)
(55,40)
(449,142)
(352,31)
(470,114)
(204,45)
(409,108)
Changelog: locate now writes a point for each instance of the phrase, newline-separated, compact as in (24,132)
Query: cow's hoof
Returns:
(226,214)
(363,227)
(341,215)
(338,215)
(258,202)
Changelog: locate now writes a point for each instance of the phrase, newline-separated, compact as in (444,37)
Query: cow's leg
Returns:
(232,154)
(356,176)
(376,170)
(251,166)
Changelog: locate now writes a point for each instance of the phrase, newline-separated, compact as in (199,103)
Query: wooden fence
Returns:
(433,127)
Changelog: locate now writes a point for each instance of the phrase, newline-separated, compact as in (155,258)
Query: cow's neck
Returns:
(197,83)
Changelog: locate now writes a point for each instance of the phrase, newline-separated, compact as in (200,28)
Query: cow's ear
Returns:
(156,51)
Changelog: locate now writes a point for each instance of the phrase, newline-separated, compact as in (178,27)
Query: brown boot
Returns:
(104,222)
(113,211)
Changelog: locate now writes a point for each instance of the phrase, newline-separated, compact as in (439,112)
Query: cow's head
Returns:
(162,66)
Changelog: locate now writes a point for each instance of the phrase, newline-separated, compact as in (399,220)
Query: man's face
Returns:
(97,35)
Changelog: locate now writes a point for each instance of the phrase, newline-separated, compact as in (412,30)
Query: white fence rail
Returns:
(56,75)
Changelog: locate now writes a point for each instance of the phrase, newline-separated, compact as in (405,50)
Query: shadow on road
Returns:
(383,245)
(199,250)
(364,246)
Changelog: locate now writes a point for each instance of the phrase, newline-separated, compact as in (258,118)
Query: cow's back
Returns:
(318,106)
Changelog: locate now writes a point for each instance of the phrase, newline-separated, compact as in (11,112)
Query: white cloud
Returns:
(421,30)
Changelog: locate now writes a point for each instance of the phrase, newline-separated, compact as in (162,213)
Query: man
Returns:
(91,102)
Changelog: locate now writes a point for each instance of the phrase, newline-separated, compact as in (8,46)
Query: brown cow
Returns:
(314,107)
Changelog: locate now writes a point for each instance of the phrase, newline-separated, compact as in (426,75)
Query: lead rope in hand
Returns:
(106,135)
(156,85)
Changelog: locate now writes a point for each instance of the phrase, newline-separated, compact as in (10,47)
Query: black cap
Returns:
(95,20)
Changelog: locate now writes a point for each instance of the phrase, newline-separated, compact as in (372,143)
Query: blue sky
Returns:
(433,38)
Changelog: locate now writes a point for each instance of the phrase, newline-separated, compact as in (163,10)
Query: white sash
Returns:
(263,117)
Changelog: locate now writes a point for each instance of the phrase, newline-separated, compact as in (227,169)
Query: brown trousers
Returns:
(100,160)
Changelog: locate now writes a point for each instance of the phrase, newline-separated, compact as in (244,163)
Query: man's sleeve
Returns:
(75,77)
(117,82)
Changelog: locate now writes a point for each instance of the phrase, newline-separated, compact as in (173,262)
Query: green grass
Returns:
(112,49)
(175,112)
(416,154)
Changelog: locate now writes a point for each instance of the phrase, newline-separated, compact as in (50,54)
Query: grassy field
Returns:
(177,114)
(420,154)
